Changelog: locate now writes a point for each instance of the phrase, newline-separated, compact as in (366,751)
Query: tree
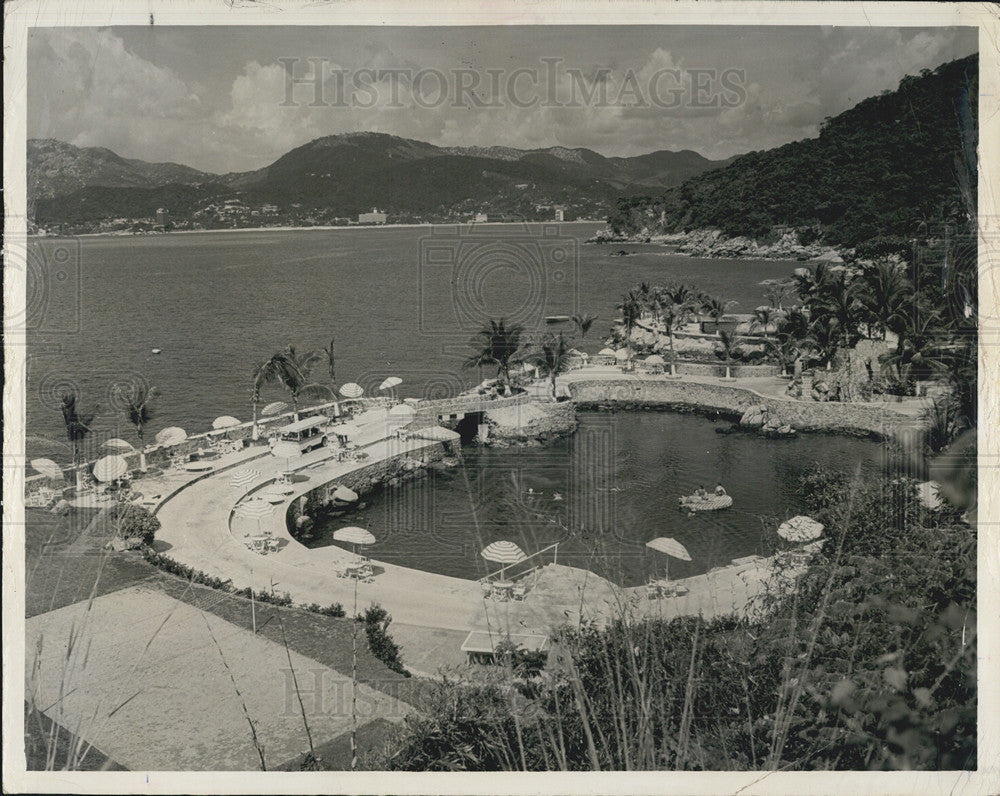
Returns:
(583,323)
(499,345)
(553,354)
(138,410)
(291,370)
(884,294)
(776,291)
(730,342)
(331,361)
(838,300)
(763,316)
(678,302)
(920,352)
(631,308)
(824,338)
(78,422)
(715,307)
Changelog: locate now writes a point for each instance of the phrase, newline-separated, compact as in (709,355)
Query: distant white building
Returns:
(560,214)
(374,217)
(162,217)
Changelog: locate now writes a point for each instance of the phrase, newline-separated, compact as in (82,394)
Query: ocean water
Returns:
(401,302)
(602,494)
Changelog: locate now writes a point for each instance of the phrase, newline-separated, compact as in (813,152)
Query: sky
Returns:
(221,99)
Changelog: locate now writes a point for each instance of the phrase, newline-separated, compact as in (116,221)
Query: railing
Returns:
(500,572)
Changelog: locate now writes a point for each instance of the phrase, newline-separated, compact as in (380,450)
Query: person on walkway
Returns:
(720,490)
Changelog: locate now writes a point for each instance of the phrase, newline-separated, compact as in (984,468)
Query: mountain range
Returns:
(347,174)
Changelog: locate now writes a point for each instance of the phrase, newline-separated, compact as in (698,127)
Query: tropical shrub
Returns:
(376,620)
(133,521)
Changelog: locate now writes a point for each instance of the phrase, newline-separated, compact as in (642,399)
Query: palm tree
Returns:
(678,302)
(553,353)
(809,283)
(583,323)
(291,370)
(715,307)
(776,291)
(631,308)
(762,319)
(331,361)
(138,411)
(885,293)
(824,338)
(499,345)
(838,299)
(78,425)
(920,353)
(730,342)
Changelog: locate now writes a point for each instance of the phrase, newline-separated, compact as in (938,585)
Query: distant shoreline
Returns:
(304,229)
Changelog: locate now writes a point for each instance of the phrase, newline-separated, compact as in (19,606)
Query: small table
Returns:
(360,571)
(480,646)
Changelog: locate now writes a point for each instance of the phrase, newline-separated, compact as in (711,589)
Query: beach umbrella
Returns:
(172,435)
(345,494)
(389,383)
(503,552)
(438,434)
(109,468)
(275,408)
(118,444)
(352,390)
(244,477)
(354,536)
(656,359)
(254,509)
(664,544)
(284,449)
(621,354)
(48,468)
(606,352)
(226,421)
(800,529)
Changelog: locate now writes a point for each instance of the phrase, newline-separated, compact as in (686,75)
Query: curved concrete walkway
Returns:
(431,613)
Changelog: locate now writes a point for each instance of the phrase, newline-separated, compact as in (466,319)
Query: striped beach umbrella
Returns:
(254,509)
(244,477)
(354,536)
(226,421)
(275,408)
(389,383)
(172,435)
(109,468)
(664,544)
(352,390)
(118,444)
(48,468)
(503,552)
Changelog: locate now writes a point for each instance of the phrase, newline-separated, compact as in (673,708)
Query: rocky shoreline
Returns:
(712,243)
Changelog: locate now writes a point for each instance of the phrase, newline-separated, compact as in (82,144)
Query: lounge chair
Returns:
(518,591)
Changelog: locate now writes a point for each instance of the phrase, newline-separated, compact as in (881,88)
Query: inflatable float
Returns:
(709,503)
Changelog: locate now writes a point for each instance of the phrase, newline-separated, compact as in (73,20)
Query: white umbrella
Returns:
(48,468)
(352,390)
(275,408)
(354,536)
(606,352)
(656,359)
(119,444)
(800,529)
(244,477)
(389,383)
(284,449)
(345,494)
(254,509)
(621,354)
(226,421)
(172,435)
(671,547)
(109,468)
(438,434)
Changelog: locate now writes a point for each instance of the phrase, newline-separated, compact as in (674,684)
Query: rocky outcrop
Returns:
(712,243)
(530,424)
(754,417)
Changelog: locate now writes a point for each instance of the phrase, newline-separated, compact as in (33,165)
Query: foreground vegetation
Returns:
(870,663)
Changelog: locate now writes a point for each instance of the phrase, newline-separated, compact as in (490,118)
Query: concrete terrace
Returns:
(431,613)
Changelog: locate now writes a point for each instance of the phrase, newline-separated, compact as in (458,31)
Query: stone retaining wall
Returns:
(733,401)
